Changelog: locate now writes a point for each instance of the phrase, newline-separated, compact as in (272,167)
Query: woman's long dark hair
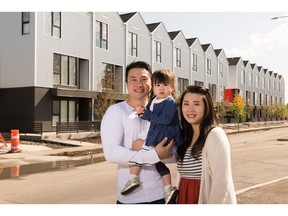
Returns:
(208,122)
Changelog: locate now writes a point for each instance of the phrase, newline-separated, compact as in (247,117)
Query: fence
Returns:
(23,127)
(67,127)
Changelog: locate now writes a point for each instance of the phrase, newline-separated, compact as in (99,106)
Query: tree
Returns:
(237,108)
(108,94)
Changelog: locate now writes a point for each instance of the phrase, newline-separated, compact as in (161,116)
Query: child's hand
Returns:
(137,144)
(139,110)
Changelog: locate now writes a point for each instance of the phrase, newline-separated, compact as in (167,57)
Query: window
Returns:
(243,76)
(220,70)
(208,66)
(199,83)
(64,70)
(250,79)
(157,51)
(182,84)
(112,77)
(178,57)
(133,44)
(63,111)
(194,64)
(25,23)
(256,99)
(222,90)
(101,35)
(212,89)
(257,81)
(53,24)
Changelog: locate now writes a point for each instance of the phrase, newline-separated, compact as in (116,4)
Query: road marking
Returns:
(261,185)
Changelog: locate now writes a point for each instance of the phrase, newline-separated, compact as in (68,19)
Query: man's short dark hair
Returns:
(137,64)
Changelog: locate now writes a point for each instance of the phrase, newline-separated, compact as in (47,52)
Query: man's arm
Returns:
(112,134)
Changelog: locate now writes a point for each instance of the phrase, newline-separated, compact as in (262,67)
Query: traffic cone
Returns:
(15,171)
(15,142)
(3,140)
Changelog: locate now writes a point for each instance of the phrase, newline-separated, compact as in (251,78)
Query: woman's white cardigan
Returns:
(216,180)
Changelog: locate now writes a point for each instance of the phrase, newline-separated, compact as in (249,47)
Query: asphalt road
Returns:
(259,163)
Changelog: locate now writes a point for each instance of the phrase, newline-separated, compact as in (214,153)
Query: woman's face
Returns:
(193,108)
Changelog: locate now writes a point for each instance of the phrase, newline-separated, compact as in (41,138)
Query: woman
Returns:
(204,162)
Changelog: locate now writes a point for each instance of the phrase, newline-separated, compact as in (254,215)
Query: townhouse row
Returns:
(53,64)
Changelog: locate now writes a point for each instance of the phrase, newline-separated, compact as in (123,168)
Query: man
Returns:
(119,130)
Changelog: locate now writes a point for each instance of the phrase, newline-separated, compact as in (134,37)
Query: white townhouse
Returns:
(109,56)
(45,66)
(181,59)
(281,89)
(222,74)
(261,91)
(248,88)
(197,62)
(161,46)
(210,71)
(54,64)
(255,93)
(236,75)
(248,82)
(138,45)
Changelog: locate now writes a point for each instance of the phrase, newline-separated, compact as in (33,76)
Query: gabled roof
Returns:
(153,26)
(190,41)
(127,16)
(245,62)
(218,51)
(259,68)
(205,46)
(270,73)
(253,65)
(173,34)
(234,60)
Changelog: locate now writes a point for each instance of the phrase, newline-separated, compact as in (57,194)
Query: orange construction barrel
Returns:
(15,141)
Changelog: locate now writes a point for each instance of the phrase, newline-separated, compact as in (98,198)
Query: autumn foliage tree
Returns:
(237,107)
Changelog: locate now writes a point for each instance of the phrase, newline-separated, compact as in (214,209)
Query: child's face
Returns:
(162,90)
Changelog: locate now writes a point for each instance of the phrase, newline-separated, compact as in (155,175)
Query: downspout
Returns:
(126,58)
(35,50)
(92,71)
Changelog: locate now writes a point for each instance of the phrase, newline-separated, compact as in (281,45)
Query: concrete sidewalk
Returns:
(33,154)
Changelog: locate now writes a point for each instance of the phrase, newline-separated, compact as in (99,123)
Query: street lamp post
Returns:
(278,17)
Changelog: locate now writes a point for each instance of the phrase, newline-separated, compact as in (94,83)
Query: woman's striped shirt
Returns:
(190,167)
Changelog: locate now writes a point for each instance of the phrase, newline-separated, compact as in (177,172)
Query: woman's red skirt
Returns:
(188,191)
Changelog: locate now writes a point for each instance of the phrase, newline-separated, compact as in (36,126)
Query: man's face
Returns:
(138,83)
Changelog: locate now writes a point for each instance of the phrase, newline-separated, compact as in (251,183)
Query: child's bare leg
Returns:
(135,170)
(170,191)
(133,182)
(166,179)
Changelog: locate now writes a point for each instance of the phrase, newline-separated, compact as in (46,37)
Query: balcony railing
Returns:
(67,127)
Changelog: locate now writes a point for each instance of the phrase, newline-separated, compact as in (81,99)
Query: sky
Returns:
(242,28)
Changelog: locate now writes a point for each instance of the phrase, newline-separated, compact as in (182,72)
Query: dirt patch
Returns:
(79,153)
(94,140)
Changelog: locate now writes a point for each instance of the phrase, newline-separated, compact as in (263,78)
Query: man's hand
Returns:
(164,152)
(137,144)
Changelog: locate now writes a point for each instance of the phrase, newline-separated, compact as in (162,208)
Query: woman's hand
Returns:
(137,144)
(164,152)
